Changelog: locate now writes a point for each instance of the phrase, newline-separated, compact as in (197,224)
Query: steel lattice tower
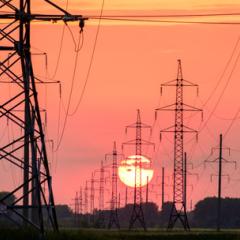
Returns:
(80,201)
(86,198)
(113,219)
(178,211)
(27,151)
(101,195)
(76,209)
(137,212)
(92,194)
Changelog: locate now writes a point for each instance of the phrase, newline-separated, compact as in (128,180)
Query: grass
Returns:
(93,234)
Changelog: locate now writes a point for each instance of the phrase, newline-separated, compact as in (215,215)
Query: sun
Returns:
(126,171)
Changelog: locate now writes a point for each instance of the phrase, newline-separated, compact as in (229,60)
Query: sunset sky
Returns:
(131,60)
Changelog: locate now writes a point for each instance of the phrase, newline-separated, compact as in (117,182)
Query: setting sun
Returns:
(126,170)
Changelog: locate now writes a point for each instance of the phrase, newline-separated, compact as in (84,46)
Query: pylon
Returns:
(28,150)
(76,209)
(113,218)
(178,211)
(137,212)
(101,218)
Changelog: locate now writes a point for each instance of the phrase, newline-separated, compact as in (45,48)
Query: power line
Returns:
(166,15)
(70,95)
(223,73)
(91,61)
(222,93)
(77,49)
(232,122)
(167,21)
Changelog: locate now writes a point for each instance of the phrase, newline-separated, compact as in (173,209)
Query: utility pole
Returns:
(137,212)
(27,151)
(219,185)
(113,218)
(119,200)
(147,191)
(220,160)
(163,187)
(126,196)
(178,211)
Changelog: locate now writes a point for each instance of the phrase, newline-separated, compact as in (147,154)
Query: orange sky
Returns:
(130,63)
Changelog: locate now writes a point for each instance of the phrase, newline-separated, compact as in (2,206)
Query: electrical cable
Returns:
(70,96)
(223,73)
(91,61)
(60,48)
(222,93)
(168,21)
(232,123)
(167,15)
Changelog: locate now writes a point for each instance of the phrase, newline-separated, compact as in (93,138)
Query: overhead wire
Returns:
(70,96)
(167,21)
(91,62)
(222,92)
(67,114)
(166,15)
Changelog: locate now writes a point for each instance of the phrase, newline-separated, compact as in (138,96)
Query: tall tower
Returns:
(113,219)
(137,212)
(178,211)
(27,151)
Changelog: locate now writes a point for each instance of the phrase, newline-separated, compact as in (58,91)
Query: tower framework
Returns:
(113,218)
(27,151)
(178,211)
(137,211)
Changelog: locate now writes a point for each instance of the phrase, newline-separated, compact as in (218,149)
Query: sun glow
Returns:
(126,170)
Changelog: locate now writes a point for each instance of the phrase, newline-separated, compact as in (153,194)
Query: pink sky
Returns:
(130,63)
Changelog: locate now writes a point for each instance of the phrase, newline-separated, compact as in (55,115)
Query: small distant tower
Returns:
(113,219)
(137,211)
(92,195)
(76,209)
(101,196)
(80,201)
(86,201)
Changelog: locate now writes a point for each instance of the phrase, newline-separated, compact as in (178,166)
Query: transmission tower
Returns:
(76,209)
(92,196)
(86,202)
(113,218)
(178,211)
(27,151)
(137,212)
(80,201)
(86,198)
(220,160)
(101,218)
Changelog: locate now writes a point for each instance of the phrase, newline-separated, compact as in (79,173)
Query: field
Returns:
(93,234)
